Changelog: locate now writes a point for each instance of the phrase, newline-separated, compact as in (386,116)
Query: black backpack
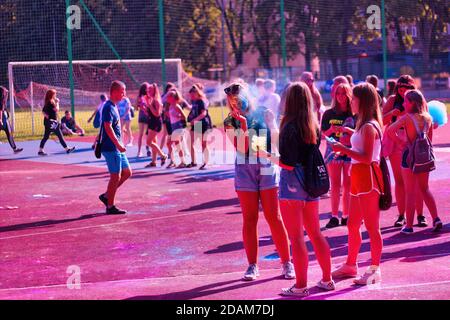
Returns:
(385,202)
(316,181)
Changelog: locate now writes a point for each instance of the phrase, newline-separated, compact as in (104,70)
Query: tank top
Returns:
(357,141)
(175,115)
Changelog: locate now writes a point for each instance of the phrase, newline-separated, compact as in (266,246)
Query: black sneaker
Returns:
(344,221)
(421,221)
(115,210)
(17,150)
(333,223)
(400,222)
(437,225)
(70,150)
(103,199)
(42,153)
(149,153)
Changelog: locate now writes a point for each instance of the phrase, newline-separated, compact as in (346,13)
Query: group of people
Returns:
(353,127)
(360,128)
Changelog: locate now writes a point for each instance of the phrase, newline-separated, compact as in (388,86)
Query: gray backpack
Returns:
(421,155)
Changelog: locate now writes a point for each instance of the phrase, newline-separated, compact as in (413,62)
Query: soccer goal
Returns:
(29,81)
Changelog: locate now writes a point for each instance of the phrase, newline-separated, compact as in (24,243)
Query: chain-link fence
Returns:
(212,41)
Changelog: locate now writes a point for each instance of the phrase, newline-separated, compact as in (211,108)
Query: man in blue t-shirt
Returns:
(113,149)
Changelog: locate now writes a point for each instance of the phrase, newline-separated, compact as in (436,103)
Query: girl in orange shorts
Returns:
(366,183)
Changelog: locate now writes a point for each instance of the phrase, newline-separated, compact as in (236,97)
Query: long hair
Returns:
(143,89)
(3,97)
(369,104)
(405,81)
(156,94)
(50,96)
(299,110)
(418,100)
(175,94)
(169,86)
(348,92)
(199,89)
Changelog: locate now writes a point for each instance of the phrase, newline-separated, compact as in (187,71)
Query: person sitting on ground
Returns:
(69,126)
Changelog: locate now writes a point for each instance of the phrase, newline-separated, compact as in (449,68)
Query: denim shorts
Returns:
(255,177)
(291,188)
(116,161)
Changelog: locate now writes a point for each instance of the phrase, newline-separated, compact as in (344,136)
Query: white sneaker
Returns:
(288,270)
(370,277)
(129,145)
(295,292)
(251,273)
(329,286)
(345,271)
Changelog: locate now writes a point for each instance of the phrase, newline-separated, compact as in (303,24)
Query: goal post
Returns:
(29,81)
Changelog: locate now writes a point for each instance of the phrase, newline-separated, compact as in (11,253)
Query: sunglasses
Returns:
(233,89)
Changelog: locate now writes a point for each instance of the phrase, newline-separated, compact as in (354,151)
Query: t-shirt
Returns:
(110,113)
(293,150)
(50,110)
(69,123)
(344,119)
(259,132)
(270,101)
(124,107)
(198,106)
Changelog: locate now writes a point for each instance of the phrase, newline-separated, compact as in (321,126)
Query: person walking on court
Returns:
(112,148)
(51,123)
(4,123)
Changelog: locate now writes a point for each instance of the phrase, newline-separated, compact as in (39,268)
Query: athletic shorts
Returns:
(363,179)
(143,118)
(168,127)
(291,188)
(116,161)
(255,177)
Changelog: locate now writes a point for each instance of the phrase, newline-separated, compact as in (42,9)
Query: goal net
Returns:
(29,81)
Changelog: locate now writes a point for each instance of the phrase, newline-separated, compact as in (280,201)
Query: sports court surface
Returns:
(182,236)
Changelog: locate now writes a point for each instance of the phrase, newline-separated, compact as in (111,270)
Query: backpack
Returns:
(97,121)
(385,202)
(316,180)
(420,157)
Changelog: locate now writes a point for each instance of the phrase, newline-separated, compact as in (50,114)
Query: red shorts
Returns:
(363,179)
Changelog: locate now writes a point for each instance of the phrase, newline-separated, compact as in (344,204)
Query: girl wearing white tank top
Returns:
(364,186)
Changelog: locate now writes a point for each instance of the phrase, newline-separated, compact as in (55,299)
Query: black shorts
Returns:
(155,124)
(168,127)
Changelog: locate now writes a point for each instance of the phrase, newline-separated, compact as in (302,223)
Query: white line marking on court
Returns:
(114,224)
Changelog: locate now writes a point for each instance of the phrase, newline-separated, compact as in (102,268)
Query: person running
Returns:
(366,184)
(69,127)
(154,105)
(339,123)
(416,121)
(299,134)
(255,180)
(113,149)
(200,123)
(4,122)
(308,78)
(124,107)
(178,123)
(51,123)
(392,110)
(143,116)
